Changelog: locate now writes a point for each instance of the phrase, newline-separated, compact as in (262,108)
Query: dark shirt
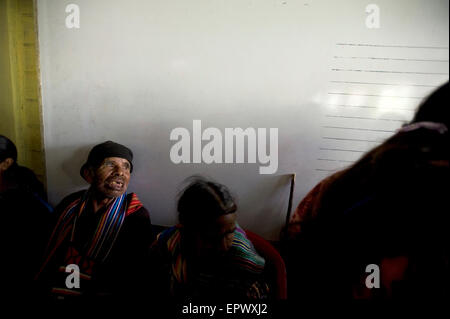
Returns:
(25,227)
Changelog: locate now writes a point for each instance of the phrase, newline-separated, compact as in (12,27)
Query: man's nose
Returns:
(118,170)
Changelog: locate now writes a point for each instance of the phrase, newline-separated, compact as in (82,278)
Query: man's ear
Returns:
(6,164)
(88,174)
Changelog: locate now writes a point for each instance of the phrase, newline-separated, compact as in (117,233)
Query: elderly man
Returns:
(102,231)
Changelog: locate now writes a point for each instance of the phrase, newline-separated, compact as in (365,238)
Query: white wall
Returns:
(137,69)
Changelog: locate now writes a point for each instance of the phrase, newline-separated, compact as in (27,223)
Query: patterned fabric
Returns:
(309,205)
(241,262)
(244,255)
(105,235)
(179,269)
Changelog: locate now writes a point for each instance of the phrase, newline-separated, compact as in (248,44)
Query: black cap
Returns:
(107,149)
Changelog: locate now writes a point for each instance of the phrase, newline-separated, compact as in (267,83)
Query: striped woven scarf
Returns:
(105,234)
(242,254)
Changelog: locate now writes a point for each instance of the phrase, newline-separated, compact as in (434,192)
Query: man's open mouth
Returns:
(116,184)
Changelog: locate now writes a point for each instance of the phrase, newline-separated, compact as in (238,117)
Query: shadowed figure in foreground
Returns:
(26,219)
(390,209)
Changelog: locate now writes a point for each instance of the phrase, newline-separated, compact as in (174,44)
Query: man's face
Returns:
(111,178)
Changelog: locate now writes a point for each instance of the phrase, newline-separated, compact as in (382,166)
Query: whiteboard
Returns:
(320,71)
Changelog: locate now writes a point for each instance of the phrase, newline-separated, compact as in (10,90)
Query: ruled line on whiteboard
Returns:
(349,139)
(391,46)
(378,95)
(363,118)
(326,170)
(341,150)
(372,107)
(391,84)
(348,105)
(388,71)
(358,129)
(389,59)
(334,160)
